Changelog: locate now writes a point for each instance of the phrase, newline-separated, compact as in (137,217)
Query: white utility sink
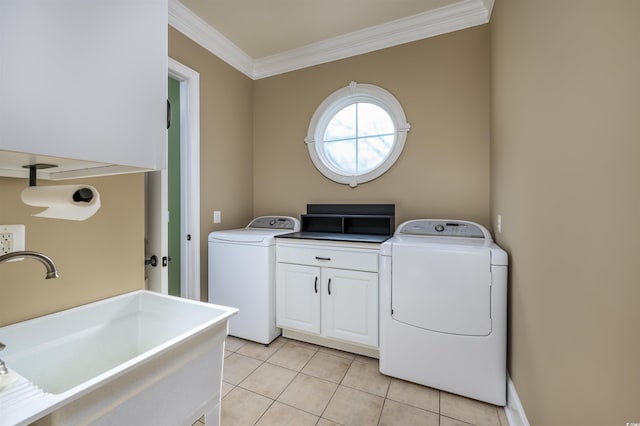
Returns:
(138,358)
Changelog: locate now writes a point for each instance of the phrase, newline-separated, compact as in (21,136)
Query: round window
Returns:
(357,134)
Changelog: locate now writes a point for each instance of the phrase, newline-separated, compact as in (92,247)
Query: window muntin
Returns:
(358,138)
(357,134)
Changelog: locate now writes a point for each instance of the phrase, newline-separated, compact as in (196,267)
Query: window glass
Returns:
(357,134)
(342,125)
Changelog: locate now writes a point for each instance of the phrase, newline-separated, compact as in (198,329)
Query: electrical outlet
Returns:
(6,243)
(217,216)
(11,238)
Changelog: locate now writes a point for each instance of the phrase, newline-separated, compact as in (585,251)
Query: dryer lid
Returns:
(247,236)
(261,231)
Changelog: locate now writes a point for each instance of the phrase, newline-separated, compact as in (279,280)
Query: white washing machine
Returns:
(443,308)
(242,275)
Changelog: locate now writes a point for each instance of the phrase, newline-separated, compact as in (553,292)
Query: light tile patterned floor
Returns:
(296,383)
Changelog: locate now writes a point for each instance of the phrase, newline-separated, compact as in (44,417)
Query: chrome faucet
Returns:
(42,258)
(3,368)
(51,273)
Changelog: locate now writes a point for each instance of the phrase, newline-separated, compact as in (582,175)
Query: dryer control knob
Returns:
(439,228)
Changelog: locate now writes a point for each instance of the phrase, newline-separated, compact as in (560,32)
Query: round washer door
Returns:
(443,288)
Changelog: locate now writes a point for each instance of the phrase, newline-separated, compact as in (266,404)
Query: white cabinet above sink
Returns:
(84,81)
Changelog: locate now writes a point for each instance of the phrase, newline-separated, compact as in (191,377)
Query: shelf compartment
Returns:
(319,223)
(350,219)
(376,225)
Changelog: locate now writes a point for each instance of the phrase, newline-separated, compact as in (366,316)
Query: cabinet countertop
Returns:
(328,236)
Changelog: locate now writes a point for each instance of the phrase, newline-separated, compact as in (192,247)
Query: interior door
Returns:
(174,178)
(156,235)
(189,124)
(157,197)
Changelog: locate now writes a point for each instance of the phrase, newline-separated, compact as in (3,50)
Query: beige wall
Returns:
(443,86)
(96,258)
(254,160)
(226,153)
(565,175)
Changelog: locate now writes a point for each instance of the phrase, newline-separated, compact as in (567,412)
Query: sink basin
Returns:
(129,352)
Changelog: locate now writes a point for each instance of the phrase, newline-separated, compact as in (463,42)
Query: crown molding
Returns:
(184,20)
(465,14)
(458,16)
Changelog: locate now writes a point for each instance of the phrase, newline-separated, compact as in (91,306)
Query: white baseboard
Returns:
(514,410)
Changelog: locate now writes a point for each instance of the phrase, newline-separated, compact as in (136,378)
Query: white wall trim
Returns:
(191,25)
(190,187)
(488,4)
(464,14)
(514,410)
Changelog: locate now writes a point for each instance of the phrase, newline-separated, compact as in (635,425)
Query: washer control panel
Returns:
(443,228)
(275,222)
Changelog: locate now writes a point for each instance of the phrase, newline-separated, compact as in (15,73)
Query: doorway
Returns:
(183,220)
(174,186)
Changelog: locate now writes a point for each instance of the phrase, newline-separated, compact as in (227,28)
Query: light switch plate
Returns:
(11,238)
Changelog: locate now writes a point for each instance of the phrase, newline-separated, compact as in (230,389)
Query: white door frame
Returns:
(190,178)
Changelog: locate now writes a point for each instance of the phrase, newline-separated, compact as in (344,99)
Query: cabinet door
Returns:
(298,297)
(350,306)
(85,80)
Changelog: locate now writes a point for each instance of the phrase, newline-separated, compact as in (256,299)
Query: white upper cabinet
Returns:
(85,80)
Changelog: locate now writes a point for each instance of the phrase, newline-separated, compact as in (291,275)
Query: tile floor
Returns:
(296,383)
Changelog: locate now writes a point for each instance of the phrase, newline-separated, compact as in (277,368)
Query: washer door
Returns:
(444,288)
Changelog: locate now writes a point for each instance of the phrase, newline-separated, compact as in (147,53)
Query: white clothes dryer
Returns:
(443,308)
(242,275)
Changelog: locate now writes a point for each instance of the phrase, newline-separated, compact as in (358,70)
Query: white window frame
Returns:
(341,98)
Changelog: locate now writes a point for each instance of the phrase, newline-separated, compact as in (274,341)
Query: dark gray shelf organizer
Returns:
(370,219)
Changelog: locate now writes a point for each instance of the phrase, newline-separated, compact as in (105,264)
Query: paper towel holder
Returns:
(33,171)
(82,195)
(72,202)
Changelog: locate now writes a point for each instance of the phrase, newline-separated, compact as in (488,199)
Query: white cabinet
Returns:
(328,290)
(85,80)
(350,306)
(298,297)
